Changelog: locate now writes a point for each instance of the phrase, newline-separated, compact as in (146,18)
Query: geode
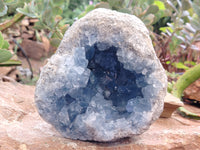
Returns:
(105,81)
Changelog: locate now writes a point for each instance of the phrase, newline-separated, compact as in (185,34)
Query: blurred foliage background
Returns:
(174,25)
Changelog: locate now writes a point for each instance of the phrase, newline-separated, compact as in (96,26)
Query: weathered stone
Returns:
(171,104)
(193,91)
(33,49)
(21,128)
(4,71)
(105,81)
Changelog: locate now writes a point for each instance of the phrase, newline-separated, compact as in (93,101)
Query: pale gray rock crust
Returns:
(105,81)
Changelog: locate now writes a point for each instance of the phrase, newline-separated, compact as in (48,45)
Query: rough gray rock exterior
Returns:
(105,81)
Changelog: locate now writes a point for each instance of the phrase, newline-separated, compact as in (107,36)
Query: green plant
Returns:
(8,15)
(54,15)
(76,9)
(3,8)
(181,35)
(183,82)
(28,81)
(17,17)
(5,55)
(9,7)
(149,11)
(49,14)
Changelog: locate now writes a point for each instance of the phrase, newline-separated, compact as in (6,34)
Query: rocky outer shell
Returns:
(124,31)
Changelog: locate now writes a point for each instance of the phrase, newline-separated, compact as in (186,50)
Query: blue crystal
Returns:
(97,82)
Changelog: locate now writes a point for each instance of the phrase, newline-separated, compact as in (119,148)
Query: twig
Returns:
(9,72)
(24,53)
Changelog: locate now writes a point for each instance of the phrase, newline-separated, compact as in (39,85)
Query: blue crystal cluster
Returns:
(99,92)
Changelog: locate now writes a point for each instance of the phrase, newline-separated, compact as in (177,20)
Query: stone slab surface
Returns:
(171,104)
(21,128)
(193,91)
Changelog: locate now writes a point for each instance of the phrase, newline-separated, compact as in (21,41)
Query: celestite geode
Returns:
(105,81)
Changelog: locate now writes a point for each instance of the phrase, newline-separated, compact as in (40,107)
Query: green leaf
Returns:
(149,2)
(164,29)
(58,2)
(64,28)
(55,42)
(180,65)
(185,13)
(1,40)
(152,9)
(125,10)
(5,55)
(195,24)
(3,8)
(47,18)
(185,4)
(112,2)
(186,79)
(57,11)
(5,45)
(88,9)
(179,3)
(189,27)
(10,2)
(196,9)
(190,63)
(38,25)
(160,5)
(103,5)
(169,87)
(137,11)
(27,10)
(148,20)
(185,113)
(194,47)
(171,5)
(168,62)
(39,7)
(20,10)
(11,63)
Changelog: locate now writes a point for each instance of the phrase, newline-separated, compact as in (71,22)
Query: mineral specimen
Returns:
(105,81)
